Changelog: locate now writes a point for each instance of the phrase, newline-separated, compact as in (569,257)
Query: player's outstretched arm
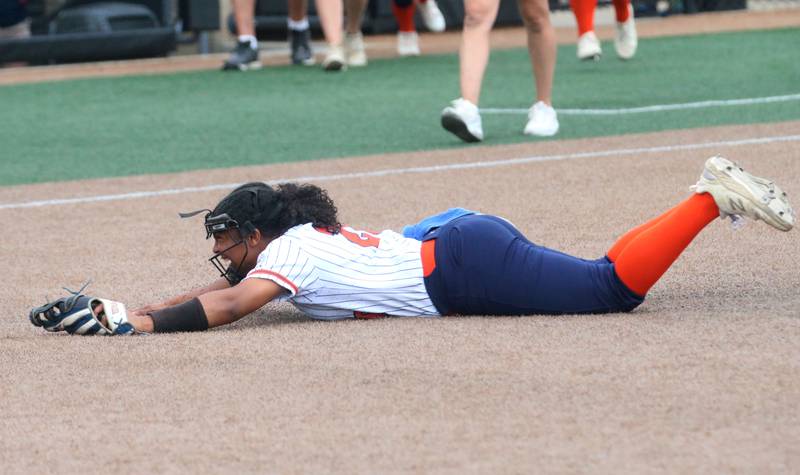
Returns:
(211,309)
(227,306)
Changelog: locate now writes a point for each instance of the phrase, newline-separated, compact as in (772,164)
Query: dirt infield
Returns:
(703,378)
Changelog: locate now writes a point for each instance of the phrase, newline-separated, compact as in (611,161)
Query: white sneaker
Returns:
(334,59)
(542,120)
(738,193)
(354,49)
(589,47)
(626,40)
(463,119)
(432,16)
(408,43)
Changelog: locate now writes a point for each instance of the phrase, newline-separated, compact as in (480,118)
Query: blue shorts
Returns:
(485,266)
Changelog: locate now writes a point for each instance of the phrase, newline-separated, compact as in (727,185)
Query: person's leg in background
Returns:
(462,117)
(331,15)
(626,38)
(244,57)
(354,50)
(299,33)
(432,16)
(407,38)
(588,43)
(542,118)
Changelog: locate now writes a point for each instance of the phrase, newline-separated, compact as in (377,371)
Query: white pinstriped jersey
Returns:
(348,274)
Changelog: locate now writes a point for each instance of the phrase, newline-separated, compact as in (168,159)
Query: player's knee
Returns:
(478,15)
(535,18)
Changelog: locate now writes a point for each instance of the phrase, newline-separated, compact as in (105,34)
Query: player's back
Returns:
(351,273)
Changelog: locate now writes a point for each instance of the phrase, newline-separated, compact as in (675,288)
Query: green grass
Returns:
(167,123)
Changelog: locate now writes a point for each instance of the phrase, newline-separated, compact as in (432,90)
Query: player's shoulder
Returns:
(303,235)
(299,231)
(315,236)
(291,242)
(306,232)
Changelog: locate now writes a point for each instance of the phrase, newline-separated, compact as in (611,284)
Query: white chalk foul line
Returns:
(658,107)
(401,171)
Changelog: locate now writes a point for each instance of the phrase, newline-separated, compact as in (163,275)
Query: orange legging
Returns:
(643,254)
(404,14)
(584,13)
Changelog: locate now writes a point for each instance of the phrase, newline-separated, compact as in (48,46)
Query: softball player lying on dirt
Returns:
(286,244)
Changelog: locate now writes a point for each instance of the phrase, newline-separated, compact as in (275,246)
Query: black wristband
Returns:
(186,317)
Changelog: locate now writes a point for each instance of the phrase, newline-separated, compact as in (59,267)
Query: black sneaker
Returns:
(242,58)
(301,47)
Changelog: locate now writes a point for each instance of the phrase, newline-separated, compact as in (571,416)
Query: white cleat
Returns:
(626,40)
(738,193)
(589,47)
(408,43)
(463,119)
(432,16)
(334,59)
(354,50)
(542,120)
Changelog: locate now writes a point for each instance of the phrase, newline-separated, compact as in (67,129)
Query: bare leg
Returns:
(244,56)
(479,16)
(244,14)
(331,17)
(299,34)
(541,46)
(297,9)
(355,13)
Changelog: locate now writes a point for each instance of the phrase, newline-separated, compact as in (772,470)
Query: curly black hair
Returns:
(275,210)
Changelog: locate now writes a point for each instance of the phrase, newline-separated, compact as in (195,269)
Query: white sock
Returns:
(301,25)
(249,39)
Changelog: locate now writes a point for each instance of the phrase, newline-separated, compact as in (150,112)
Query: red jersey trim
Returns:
(368,315)
(279,277)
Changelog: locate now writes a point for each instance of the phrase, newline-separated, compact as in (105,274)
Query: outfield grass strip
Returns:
(159,124)
(657,107)
(401,171)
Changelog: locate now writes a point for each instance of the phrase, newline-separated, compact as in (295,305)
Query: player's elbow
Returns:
(221,309)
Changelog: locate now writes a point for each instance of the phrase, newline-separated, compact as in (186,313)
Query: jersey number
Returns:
(362,238)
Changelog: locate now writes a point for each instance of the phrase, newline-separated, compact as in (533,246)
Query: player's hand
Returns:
(150,308)
(79,314)
(99,313)
(142,322)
